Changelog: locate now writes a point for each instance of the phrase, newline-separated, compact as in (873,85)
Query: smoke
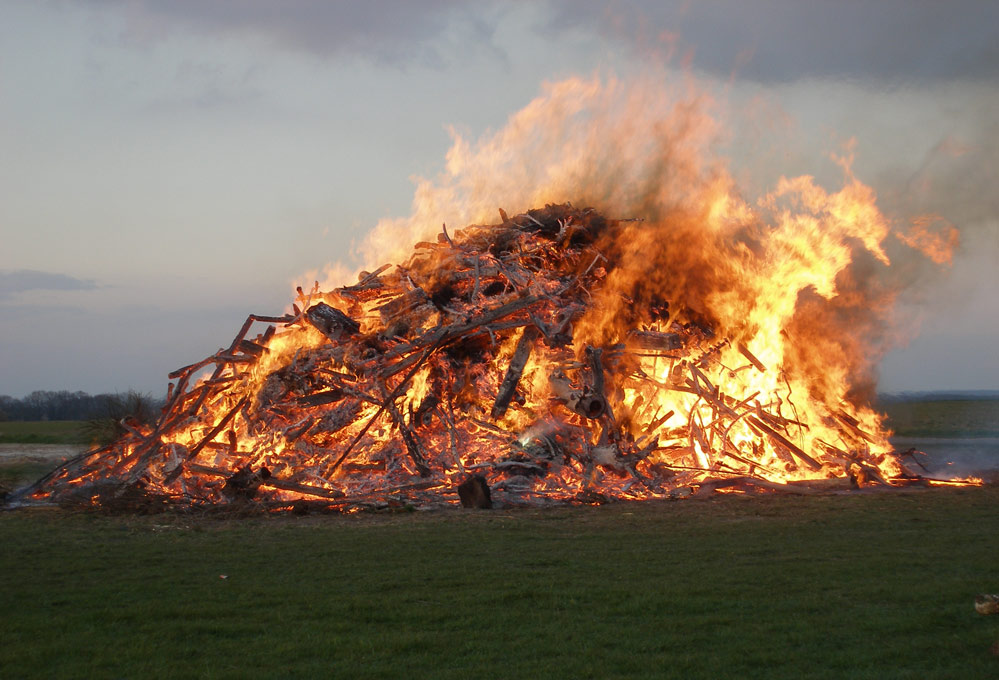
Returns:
(949,312)
(619,146)
(807,272)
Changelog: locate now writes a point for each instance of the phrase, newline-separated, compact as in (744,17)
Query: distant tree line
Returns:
(66,405)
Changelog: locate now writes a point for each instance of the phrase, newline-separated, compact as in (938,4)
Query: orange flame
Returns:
(770,299)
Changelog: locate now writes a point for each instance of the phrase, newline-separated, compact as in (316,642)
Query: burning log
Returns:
(785,442)
(582,401)
(409,438)
(658,403)
(401,313)
(207,438)
(331,322)
(244,483)
(744,351)
(655,340)
(320,398)
(513,373)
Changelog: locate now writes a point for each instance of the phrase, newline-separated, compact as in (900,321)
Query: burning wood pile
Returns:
(463,375)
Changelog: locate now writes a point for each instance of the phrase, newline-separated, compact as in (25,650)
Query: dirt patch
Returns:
(21,464)
(54,453)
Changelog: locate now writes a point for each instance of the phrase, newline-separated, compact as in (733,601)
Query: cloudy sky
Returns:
(170,166)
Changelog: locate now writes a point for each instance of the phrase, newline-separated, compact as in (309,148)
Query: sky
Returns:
(170,166)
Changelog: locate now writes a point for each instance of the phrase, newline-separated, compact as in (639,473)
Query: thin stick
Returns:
(788,444)
(392,395)
(211,435)
(744,351)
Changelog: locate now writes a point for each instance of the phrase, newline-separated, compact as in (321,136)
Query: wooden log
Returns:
(173,474)
(287,318)
(366,281)
(582,401)
(854,425)
(338,418)
(658,422)
(748,482)
(331,322)
(185,371)
(744,351)
(655,340)
(250,347)
(809,462)
(402,306)
(243,484)
(516,368)
(409,438)
(595,354)
(228,358)
(474,493)
(320,398)
(297,430)
(392,395)
(274,483)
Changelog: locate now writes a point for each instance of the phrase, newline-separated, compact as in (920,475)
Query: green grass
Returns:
(863,585)
(944,417)
(42,432)
(17,473)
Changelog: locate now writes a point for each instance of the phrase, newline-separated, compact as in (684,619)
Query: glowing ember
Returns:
(545,354)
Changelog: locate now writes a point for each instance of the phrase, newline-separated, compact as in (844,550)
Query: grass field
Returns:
(845,586)
(943,417)
(42,432)
(862,585)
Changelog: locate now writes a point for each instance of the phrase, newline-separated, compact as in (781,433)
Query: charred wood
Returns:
(331,322)
(243,484)
(810,462)
(474,493)
(512,378)
(582,401)
(655,340)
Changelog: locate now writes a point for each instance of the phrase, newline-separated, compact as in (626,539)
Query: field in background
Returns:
(42,432)
(908,415)
(29,449)
(937,417)
(961,434)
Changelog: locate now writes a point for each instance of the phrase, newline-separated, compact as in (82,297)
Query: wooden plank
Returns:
(516,368)
(809,462)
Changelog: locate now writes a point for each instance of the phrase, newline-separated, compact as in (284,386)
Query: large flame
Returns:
(773,302)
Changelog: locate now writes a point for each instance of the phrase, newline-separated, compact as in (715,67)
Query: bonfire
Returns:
(536,360)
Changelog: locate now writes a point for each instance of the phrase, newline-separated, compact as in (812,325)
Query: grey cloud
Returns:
(762,40)
(21,280)
(384,31)
(900,41)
